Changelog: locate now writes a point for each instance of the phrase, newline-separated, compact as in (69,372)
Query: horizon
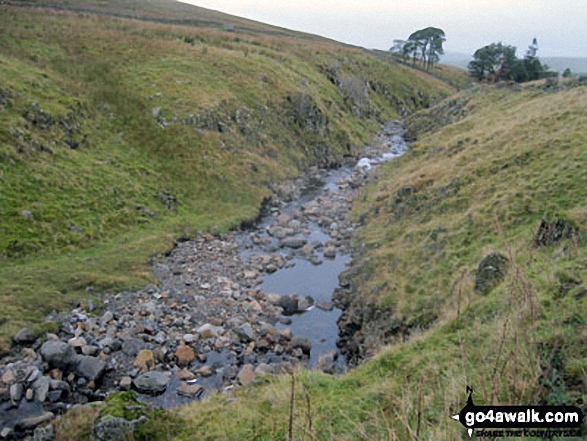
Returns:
(558,27)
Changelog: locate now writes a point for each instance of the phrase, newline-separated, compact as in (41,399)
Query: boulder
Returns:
(91,368)
(25,336)
(32,422)
(41,388)
(245,333)
(246,375)
(491,271)
(302,343)
(184,354)
(153,383)
(58,354)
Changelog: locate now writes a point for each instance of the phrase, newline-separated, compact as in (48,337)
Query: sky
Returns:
(559,25)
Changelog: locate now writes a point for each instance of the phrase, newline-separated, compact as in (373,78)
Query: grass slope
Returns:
(119,135)
(481,183)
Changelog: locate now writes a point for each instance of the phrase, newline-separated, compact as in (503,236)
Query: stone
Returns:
(156,112)
(16,391)
(245,333)
(246,374)
(29,395)
(113,429)
(153,383)
(25,336)
(491,271)
(293,242)
(32,422)
(305,303)
(58,354)
(302,343)
(210,331)
(132,346)
(264,369)
(107,317)
(27,214)
(184,355)
(44,434)
(289,304)
(144,360)
(330,252)
(188,338)
(41,388)
(185,375)
(111,343)
(125,383)
(325,306)
(205,371)
(77,343)
(8,377)
(91,368)
(90,350)
(189,390)
(6,433)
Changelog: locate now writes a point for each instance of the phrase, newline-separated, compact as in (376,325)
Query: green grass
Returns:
(520,154)
(134,181)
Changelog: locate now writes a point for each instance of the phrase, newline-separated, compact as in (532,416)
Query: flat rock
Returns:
(25,336)
(91,368)
(325,306)
(293,242)
(153,383)
(189,390)
(32,422)
(58,354)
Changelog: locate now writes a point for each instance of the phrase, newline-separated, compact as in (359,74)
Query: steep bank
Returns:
(459,256)
(120,135)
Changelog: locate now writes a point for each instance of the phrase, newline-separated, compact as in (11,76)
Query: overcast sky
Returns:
(559,25)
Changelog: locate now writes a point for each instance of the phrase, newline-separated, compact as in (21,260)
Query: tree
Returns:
(429,40)
(567,73)
(494,62)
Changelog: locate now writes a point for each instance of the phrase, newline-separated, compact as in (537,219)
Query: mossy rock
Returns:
(491,271)
(554,230)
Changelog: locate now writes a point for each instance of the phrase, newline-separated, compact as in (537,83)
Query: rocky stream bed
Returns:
(226,309)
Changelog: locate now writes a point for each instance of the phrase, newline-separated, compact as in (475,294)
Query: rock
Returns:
(289,304)
(6,433)
(41,388)
(210,331)
(302,343)
(184,354)
(115,429)
(188,338)
(107,317)
(111,343)
(16,391)
(491,271)
(32,422)
(144,360)
(185,375)
(153,383)
(125,383)
(156,112)
(58,354)
(25,336)
(245,333)
(77,343)
(552,231)
(132,346)
(246,375)
(189,390)
(326,363)
(29,395)
(305,303)
(90,350)
(44,434)
(330,252)
(264,369)
(91,368)
(293,242)
(27,214)
(8,377)
(325,306)
(205,371)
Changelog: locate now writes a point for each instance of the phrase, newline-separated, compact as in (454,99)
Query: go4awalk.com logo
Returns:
(520,421)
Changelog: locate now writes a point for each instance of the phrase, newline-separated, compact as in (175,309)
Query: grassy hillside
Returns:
(489,165)
(118,136)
